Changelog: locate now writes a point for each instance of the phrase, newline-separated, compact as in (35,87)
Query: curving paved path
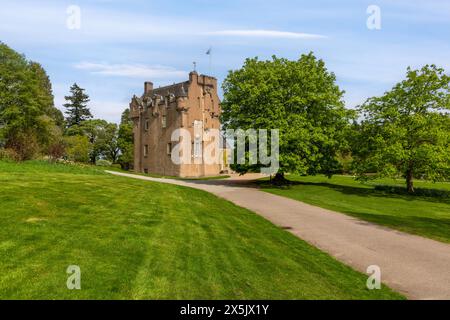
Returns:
(415,266)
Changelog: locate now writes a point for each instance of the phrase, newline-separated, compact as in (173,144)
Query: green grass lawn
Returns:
(141,240)
(154,175)
(425,216)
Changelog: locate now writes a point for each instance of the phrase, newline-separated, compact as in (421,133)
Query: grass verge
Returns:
(141,240)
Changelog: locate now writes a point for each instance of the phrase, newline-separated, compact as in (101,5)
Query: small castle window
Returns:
(146,150)
(169,149)
(147,124)
(164,121)
(198,144)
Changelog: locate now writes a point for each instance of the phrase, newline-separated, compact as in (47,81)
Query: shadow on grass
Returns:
(438,229)
(360,191)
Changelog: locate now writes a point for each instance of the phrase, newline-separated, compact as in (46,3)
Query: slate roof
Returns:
(177,89)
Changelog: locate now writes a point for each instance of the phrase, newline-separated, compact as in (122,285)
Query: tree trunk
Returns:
(409,181)
(279,179)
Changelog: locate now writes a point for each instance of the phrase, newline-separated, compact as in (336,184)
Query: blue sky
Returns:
(121,44)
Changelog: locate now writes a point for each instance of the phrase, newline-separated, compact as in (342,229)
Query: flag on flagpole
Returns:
(209,53)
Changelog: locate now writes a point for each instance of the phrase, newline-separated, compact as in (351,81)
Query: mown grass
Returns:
(140,240)
(424,216)
(154,175)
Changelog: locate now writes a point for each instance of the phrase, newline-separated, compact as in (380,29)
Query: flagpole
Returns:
(209,52)
(210,64)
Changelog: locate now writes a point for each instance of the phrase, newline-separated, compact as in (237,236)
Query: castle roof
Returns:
(177,89)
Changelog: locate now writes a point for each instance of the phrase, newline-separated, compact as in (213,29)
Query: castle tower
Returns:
(190,105)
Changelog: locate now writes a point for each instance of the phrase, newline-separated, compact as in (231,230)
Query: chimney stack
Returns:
(148,87)
(193,76)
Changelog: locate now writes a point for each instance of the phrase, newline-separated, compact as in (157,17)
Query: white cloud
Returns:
(132,70)
(266,34)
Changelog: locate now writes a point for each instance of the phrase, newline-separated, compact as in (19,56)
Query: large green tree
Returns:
(301,99)
(45,94)
(406,132)
(27,112)
(77,109)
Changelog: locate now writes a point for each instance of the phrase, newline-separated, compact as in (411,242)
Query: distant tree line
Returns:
(405,133)
(32,127)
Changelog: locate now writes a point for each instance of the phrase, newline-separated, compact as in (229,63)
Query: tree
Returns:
(27,113)
(301,99)
(406,132)
(101,135)
(109,139)
(45,94)
(56,147)
(78,148)
(125,141)
(77,110)
(17,106)
(93,130)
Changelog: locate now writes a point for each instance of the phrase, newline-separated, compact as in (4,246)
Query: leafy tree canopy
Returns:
(101,135)
(27,111)
(406,132)
(301,99)
(45,94)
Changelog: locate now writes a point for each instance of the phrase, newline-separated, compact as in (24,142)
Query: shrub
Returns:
(24,144)
(78,148)
(126,159)
(103,163)
(9,155)
(345,163)
(56,150)
(56,145)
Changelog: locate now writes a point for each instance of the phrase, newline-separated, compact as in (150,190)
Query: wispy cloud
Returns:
(132,70)
(266,34)
(47,23)
(120,45)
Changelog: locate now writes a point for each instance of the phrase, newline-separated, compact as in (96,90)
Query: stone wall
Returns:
(178,106)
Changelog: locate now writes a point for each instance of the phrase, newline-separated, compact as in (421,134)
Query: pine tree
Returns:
(77,110)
